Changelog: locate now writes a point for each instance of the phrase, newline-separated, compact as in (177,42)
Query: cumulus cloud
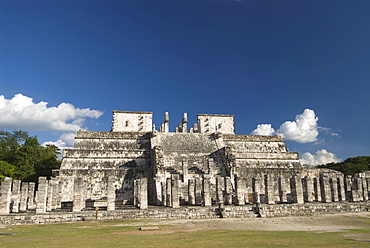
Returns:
(65,141)
(264,129)
(321,157)
(21,112)
(303,130)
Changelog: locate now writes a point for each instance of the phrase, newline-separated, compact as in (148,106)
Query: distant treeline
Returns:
(23,158)
(350,166)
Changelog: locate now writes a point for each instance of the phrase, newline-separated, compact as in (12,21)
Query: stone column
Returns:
(24,196)
(78,194)
(307,189)
(325,188)
(282,189)
(256,189)
(317,189)
(175,196)
(368,187)
(49,196)
(207,191)
(56,198)
(158,187)
(16,195)
(143,193)
(31,196)
(296,189)
(168,192)
(269,189)
(341,189)
(228,191)
(365,194)
(185,169)
(41,195)
(348,186)
(191,190)
(164,193)
(198,192)
(334,189)
(111,194)
(220,187)
(359,190)
(5,196)
(239,191)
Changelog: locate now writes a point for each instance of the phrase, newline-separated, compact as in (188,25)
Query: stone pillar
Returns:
(228,191)
(348,187)
(5,196)
(325,188)
(78,194)
(198,192)
(317,189)
(143,193)
(57,198)
(296,189)
(239,191)
(191,190)
(334,189)
(282,189)
(31,196)
(256,187)
(359,189)
(164,193)
(24,197)
(168,191)
(16,195)
(368,187)
(165,125)
(365,194)
(220,187)
(185,169)
(175,196)
(207,191)
(41,195)
(49,195)
(111,194)
(341,189)
(269,189)
(307,189)
(158,187)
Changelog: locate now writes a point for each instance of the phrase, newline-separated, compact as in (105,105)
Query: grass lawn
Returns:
(114,234)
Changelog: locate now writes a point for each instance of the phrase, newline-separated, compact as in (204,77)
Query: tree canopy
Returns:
(350,166)
(22,157)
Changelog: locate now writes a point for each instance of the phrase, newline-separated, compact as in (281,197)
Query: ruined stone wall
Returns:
(98,155)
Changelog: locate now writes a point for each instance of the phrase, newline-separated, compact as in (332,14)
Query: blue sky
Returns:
(264,61)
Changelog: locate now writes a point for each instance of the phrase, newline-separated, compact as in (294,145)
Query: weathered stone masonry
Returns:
(206,165)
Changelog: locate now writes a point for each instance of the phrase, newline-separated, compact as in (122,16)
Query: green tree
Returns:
(7,170)
(350,166)
(23,158)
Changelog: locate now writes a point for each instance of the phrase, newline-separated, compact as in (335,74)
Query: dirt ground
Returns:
(317,223)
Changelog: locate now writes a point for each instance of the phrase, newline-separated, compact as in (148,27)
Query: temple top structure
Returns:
(135,121)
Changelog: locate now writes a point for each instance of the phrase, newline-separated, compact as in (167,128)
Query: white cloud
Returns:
(263,129)
(65,141)
(321,157)
(21,112)
(303,130)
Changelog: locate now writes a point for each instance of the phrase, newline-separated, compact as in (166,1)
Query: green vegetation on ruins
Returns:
(350,166)
(23,158)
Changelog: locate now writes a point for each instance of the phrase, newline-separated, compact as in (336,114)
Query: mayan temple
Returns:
(204,165)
